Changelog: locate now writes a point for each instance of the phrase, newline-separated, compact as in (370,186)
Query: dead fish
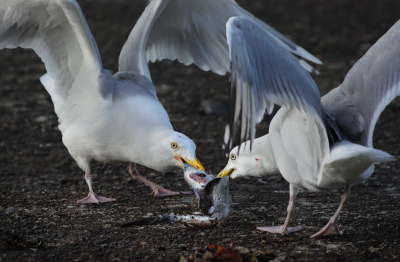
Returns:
(213,197)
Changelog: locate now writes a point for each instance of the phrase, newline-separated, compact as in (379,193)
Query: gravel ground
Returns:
(40,182)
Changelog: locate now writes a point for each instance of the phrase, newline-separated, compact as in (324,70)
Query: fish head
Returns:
(196,179)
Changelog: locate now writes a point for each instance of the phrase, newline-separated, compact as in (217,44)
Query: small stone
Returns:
(10,210)
(280,259)
(332,246)
(243,250)
(208,256)
(183,259)
(42,119)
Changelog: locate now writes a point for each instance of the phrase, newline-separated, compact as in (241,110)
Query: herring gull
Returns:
(313,142)
(102,117)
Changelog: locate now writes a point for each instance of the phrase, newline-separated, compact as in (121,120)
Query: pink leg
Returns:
(331,228)
(92,198)
(284,230)
(158,191)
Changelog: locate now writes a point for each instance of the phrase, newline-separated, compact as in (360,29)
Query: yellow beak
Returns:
(224,173)
(196,163)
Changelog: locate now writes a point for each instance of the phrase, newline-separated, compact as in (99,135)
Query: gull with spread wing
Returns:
(102,117)
(313,142)
(109,118)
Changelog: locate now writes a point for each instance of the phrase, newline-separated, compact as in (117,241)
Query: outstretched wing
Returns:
(374,81)
(57,31)
(264,74)
(192,32)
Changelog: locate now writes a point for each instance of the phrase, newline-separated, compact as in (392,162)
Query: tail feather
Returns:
(350,163)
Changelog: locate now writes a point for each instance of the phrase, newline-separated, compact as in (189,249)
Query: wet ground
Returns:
(40,182)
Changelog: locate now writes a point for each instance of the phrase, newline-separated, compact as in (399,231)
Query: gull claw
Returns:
(92,198)
(159,191)
(186,192)
(280,229)
(330,229)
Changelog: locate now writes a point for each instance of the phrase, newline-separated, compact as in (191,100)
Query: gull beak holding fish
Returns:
(195,163)
(213,200)
(225,172)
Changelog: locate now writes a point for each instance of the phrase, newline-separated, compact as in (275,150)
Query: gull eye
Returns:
(174,145)
(233,157)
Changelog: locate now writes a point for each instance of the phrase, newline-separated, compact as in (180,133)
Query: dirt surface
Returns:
(40,182)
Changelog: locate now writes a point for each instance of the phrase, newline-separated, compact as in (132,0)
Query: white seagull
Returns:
(119,118)
(101,117)
(313,142)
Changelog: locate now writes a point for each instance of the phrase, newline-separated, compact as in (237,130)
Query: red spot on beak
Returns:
(257,159)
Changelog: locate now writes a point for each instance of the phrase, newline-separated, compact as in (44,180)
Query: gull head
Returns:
(241,163)
(175,150)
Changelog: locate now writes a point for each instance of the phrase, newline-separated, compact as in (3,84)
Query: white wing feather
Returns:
(192,32)
(57,31)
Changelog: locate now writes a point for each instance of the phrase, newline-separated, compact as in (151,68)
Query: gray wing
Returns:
(191,32)
(264,74)
(374,81)
(57,31)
